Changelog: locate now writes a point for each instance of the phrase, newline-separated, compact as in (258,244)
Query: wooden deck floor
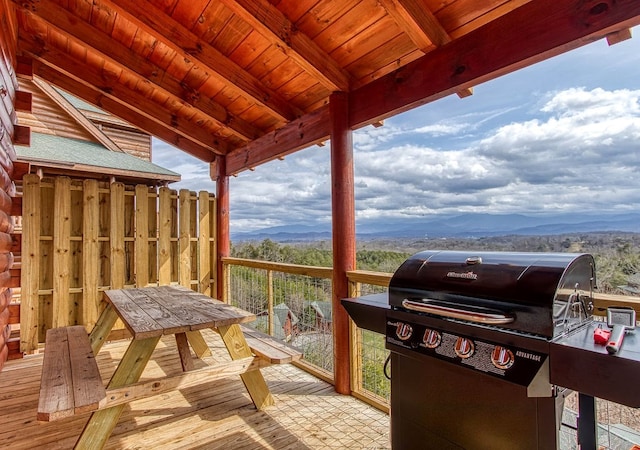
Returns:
(308,413)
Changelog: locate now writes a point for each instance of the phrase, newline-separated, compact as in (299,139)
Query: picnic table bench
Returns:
(71,382)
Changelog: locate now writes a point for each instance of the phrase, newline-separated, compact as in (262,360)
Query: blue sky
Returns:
(560,136)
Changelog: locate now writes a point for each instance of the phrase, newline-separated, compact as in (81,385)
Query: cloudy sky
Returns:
(560,136)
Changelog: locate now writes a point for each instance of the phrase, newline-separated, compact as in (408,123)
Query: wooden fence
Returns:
(81,237)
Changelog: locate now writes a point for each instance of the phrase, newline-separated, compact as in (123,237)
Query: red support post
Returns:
(343,233)
(222,218)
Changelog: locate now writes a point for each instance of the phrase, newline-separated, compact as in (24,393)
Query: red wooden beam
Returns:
(301,133)
(536,31)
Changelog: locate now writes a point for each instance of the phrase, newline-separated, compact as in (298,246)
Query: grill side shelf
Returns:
(577,363)
(369,312)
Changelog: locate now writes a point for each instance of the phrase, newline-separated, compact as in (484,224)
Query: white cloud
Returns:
(561,136)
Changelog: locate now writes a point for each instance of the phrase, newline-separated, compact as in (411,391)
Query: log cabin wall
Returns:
(10,95)
(81,237)
(130,139)
(46,116)
(49,117)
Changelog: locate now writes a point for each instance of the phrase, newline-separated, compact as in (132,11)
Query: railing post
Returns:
(270,300)
(225,282)
(355,344)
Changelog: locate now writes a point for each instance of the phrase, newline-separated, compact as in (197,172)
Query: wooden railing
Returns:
(268,281)
(295,288)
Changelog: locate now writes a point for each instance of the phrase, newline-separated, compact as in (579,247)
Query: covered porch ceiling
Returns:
(250,80)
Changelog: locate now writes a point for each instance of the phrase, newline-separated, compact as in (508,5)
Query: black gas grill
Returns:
(492,312)
(542,294)
(474,337)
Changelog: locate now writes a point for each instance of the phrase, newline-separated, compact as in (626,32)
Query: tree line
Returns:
(617,255)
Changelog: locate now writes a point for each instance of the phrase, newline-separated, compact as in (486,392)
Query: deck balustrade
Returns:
(285,292)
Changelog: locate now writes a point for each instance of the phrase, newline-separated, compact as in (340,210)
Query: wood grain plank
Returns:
(101,424)
(204,235)
(7,150)
(198,344)
(275,27)
(169,320)
(136,319)
(142,235)
(184,203)
(62,308)
(103,327)
(56,396)
(182,308)
(197,309)
(216,312)
(88,389)
(164,237)
(90,253)
(222,69)
(270,348)
(116,235)
(30,271)
(146,122)
(185,380)
(213,246)
(254,381)
(184,352)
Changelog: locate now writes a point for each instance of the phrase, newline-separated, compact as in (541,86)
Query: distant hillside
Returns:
(464,225)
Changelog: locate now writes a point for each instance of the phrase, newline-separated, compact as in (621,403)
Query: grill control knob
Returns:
(431,338)
(403,331)
(464,347)
(502,357)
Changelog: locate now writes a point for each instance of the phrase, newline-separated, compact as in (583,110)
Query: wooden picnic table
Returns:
(149,313)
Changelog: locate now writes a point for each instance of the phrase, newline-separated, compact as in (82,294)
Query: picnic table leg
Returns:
(184,352)
(102,328)
(101,423)
(254,381)
(198,344)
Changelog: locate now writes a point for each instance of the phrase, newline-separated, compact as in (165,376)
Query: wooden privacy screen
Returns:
(83,237)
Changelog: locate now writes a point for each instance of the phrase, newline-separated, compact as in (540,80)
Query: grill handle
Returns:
(496,318)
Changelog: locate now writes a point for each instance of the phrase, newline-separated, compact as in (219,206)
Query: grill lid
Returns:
(539,293)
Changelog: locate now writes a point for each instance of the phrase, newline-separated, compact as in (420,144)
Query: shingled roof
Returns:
(73,156)
(74,138)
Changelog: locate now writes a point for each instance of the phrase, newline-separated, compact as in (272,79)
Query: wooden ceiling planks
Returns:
(356,21)
(277,29)
(463,16)
(323,14)
(250,79)
(214,18)
(185,13)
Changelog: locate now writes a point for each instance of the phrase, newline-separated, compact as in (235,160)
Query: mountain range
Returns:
(462,226)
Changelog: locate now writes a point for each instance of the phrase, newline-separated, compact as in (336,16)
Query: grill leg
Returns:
(586,422)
